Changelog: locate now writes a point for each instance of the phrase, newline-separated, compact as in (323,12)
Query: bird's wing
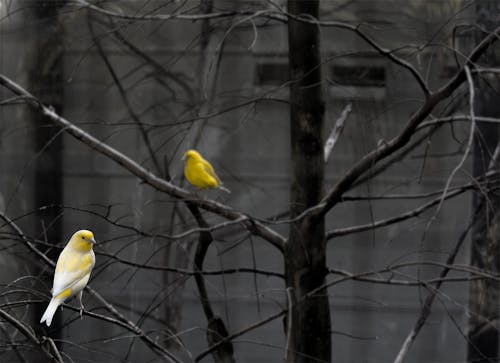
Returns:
(210,170)
(71,267)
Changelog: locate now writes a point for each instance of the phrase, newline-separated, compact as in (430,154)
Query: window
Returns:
(358,75)
(362,79)
(271,73)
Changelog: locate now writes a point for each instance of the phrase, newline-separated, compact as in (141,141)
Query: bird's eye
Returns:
(83,237)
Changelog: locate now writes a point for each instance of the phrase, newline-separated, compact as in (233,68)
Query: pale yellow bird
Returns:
(200,172)
(72,272)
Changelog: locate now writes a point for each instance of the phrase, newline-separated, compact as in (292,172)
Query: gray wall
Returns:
(249,146)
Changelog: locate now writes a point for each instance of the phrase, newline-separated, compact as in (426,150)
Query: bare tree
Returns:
(130,151)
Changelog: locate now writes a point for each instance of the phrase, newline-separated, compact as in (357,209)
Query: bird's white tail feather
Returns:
(50,311)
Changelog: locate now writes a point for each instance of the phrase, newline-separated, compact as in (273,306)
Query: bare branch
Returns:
(182,271)
(126,102)
(387,148)
(29,334)
(239,333)
(169,357)
(467,148)
(145,175)
(392,220)
(133,327)
(463,118)
(426,309)
(291,296)
(56,351)
(163,17)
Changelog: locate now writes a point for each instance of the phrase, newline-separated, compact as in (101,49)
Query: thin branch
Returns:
(163,17)
(467,148)
(355,198)
(357,29)
(426,309)
(290,295)
(239,333)
(385,149)
(486,70)
(28,334)
(462,118)
(408,283)
(56,351)
(401,217)
(125,99)
(158,67)
(192,272)
(171,237)
(131,326)
(279,15)
(145,175)
(12,342)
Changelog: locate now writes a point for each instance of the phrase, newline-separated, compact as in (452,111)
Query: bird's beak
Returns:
(183,157)
(92,240)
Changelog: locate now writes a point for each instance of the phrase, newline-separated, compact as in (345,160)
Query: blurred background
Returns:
(155,78)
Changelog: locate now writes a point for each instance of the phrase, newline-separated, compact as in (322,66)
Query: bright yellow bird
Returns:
(200,172)
(72,272)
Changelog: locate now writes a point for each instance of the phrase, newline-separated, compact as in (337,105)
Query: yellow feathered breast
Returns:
(200,172)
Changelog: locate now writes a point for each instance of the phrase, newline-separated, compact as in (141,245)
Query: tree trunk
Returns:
(484,294)
(308,322)
(45,72)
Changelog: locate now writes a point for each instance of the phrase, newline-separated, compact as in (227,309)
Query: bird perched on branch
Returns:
(72,272)
(200,172)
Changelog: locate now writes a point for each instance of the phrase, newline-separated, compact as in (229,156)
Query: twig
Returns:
(426,309)
(385,149)
(145,175)
(28,334)
(131,326)
(56,351)
(239,333)
(12,342)
(466,152)
(158,67)
(290,295)
(125,99)
(163,17)
(182,271)
(461,118)
(388,221)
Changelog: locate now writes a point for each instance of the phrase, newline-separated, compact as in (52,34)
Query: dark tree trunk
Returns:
(484,294)
(216,329)
(45,71)
(308,326)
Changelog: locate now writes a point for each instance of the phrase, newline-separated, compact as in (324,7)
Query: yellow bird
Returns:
(200,172)
(72,272)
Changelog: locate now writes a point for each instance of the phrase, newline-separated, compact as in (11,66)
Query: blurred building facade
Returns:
(186,98)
